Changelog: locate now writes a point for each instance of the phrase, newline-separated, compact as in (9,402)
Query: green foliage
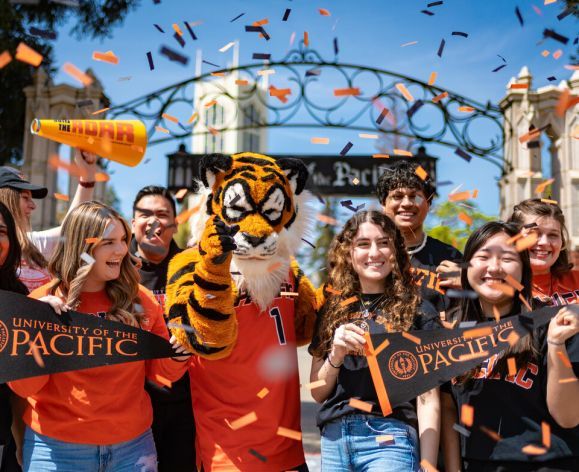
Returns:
(111,198)
(94,19)
(450,228)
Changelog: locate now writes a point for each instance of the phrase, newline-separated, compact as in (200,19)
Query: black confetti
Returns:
(565,13)
(191,32)
(258,455)
(504,60)
(313,72)
(414,108)
(150,59)
(236,18)
(443,183)
(346,203)
(347,147)
(174,56)
(496,69)
(519,16)
(530,225)
(158,27)
(46,34)
(336,49)
(286,14)
(383,114)
(441,48)
(463,154)
(460,33)
(426,12)
(551,78)
(308,243)
(259,55)
(452,293)
(434,4)
(179,39)
(210,63)
(257,29)
(449,275)
(549,33)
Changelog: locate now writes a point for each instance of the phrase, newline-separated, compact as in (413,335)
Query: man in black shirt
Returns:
(406,199)
(153,227)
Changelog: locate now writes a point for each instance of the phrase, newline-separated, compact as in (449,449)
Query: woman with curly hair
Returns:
(368,261)
(96,419)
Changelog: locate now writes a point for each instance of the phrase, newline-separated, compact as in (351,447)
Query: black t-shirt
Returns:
(515,409)
(355,381)
(425,263)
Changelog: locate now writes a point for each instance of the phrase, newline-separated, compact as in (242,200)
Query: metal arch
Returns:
(303,109)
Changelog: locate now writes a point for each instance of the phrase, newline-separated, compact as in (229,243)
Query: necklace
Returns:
(369,306)
(418,248)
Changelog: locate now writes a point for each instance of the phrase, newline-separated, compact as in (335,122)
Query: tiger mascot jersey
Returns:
(244,306)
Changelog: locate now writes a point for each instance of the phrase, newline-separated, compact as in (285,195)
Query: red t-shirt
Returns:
(562,290)
(264,356)
(101,405)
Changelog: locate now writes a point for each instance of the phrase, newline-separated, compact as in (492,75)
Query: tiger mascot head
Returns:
(267,199)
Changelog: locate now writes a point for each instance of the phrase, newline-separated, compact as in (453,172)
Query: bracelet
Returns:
(86,184)
(334,366)
(553,343)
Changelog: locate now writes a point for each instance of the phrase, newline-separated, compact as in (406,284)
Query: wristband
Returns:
(553,343)
(86,184)
(334,366)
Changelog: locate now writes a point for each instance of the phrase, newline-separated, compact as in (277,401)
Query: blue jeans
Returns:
(41,453)
(349,444)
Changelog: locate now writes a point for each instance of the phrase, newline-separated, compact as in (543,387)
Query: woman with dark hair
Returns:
(368,263)
(554,280)
(526,417)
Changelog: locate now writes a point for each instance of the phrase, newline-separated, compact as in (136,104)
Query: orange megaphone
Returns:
(123,141)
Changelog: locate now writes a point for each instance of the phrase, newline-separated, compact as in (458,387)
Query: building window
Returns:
(251,141)
(214,119)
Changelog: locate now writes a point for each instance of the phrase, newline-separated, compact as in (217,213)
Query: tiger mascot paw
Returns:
(218,241)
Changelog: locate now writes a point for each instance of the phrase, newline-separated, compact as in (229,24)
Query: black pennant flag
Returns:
(405,365)
(71,341)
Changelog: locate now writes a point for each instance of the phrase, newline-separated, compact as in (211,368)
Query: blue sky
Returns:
(369,33)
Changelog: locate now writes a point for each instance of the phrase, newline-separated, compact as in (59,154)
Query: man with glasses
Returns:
(153,227)
(406,199)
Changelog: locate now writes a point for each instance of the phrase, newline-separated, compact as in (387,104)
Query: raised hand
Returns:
(217,241)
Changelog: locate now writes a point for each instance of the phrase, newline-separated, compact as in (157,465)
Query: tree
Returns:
(94,19)
(456,221)
(111,198)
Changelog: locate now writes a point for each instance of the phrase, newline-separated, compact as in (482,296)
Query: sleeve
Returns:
(428,317)
(160,370)
(27,387)
(45,241)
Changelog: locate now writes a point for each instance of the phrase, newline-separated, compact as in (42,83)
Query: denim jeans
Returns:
(349,444)
(41,453)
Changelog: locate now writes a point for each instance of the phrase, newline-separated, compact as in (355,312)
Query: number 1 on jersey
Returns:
(276,315)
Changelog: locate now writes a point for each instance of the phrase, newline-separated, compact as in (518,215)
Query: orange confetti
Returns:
(512,366)
(467,220)
(530,136)
(213,131)
(466,109)
(546,434)
(163,381)
(320,140)
(324,12)
(360,405)
(550,202)
(526,242)
(289,433)
(306,39)
(26,54)
(218,74)
(349,301)
(92,240)
(410,337)
(545,53)
(274,266)
(5,59)
(185,215)
(289,294)
(241,82)
(243,421)
(543,185)
(427,466)
(478,332)
(333,291)
(55,163)
(384,438)
(467,415)
(519,86)
(344,92)
(177,29)
(532,450)
(568,380)
(327,220)
(161,129)
(263,392)
(170,117)
(265,21)
(432,78)
(506,289)
(367,136)
(525,302)
(36,354)
(381,156)
(514,283)
(194,116)
(565,102)
(405,92)
(513,239)
(459,196)
(564,359)
(61,196)
(77,74)
(402,152)
(513,338)
(440,97)
(108,56)
(181,193)
(420,172)
(102,110)
(557,54)
(491,434)
(316,384)
(101,177)
(211,103)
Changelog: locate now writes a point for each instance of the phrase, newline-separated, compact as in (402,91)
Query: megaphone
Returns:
(122,141)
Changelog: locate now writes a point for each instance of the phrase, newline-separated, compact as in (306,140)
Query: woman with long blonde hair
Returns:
(97,419)
(368,261)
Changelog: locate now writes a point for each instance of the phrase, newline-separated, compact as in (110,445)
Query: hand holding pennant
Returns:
(71,341)
(404,365)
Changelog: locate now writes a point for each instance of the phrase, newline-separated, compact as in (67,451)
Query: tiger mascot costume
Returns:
(244,305)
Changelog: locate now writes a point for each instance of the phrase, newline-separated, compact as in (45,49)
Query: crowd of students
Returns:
(117,418)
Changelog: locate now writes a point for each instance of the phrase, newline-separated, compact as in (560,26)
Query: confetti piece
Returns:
(383,114)
(434,4)
(461,430)
(514,283)
(402,152)
(519,86)
(550,202)
(179,39)
(441,48)
(158,27)
(289,433)
(453,293)
(324,12)
(181,193)
(258,455)
(513,239)
(77,74)
(46,34)
(289,294)
(545,53)
(227,46)
(286,14)
(458,197)
(170,117)
(61,196)
(459,152)
(274,266)
(420,172)
(349,301)
(108,56)
(496,69)
(564,359)
(102,110)
(367,136)
(557,54)
(512,366)
(535,133)
(344,92)
(263,393)
(177,29)
(316,384)
(432,78)
(512,338)
(410,337)
(549,33)
(185,215)
(381,156)
(306,39)
(86,258)
(465,109)
(174,56)
(467,415)
(36,355)
(469,357)
(526,242)
(237,17)
(161,129)
(466,219)
(163,381)
(546,434)
(259,55)
(346,148)
(266,72)
(478,332)
(333,291)
(243,421)
(426,12)
(459,33)
(568,380)
(532,450)
(427,466)
(241,82)
(490,433)
(320,140)
(440,97)
(404,91)
(408,44)
(360,405)
(385,438)
(92,240)
(565,13)
(191,32)
(519,16)
(5,59)
(26,54)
